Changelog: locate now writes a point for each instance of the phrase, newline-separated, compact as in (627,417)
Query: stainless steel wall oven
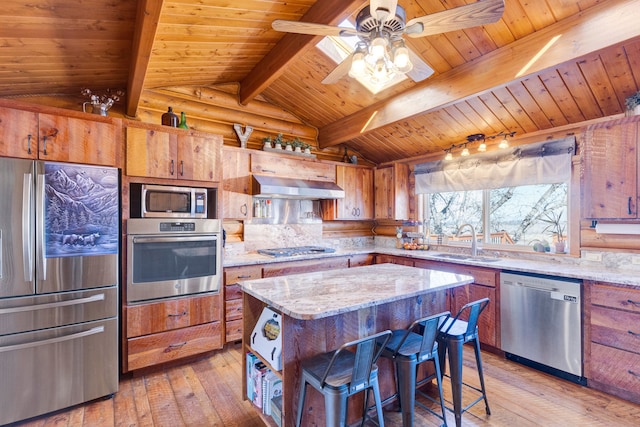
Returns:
(169,258)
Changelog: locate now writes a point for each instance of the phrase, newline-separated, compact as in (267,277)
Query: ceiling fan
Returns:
(380,53)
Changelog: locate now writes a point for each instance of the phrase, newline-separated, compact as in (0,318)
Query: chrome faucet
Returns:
(474,245)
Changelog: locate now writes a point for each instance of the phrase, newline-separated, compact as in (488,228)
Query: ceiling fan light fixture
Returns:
(358,65)
(504,143)
(378,47)
(465,151)
(401,58)
(482,147)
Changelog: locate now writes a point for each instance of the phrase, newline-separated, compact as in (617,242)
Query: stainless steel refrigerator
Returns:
(59,269)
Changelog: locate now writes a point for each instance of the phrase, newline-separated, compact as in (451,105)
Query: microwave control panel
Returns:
(177,226)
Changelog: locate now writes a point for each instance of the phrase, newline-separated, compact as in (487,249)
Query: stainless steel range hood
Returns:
(290,188)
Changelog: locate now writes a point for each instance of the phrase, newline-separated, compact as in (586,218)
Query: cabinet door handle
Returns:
(633,373)
(244,276)
(181,167)
(184,313)
(176,346)
(634,334)
(636,303)
(244,209)
(44,144)
(171,168)
(268,171)
(629,206)
(29,143)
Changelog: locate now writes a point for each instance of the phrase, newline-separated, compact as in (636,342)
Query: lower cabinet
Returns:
(164,331)
(233,298)
(614,362)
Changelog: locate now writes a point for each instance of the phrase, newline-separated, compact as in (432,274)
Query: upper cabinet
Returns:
(291,167)
(357,183)
(392,192)
(610,171)
(33,135)
(236,184)
(173,154)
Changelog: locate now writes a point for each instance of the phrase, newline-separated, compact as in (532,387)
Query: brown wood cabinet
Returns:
(307,266)
(154,151)
(291,166)
(357,183)
(392,192)
(32,135)
(610,170)
(233,298)
(164,331)
(236,184)
(614,363)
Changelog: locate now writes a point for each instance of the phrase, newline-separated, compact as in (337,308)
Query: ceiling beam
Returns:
(329,12)
(599,27)
(147,20)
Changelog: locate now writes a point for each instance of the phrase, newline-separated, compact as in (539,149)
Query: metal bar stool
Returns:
(343,373)
(408,349)
(453,335)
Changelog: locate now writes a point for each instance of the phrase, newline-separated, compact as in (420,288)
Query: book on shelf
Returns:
(272,387)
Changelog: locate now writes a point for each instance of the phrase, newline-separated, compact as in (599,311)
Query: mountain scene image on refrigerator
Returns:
(59,252)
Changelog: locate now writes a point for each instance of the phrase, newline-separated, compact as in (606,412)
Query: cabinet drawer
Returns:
(162,316)
(616,328)
(617,368)
(616,297)
(233,330)
(167,346)
(232,292)
(233,310)
(234,275)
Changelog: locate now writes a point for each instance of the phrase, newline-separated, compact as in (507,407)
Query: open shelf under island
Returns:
(320,311)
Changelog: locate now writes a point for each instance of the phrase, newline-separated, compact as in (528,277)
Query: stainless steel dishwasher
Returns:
(541,323)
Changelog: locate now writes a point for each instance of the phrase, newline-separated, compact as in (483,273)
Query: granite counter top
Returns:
(327,293)
(547,264)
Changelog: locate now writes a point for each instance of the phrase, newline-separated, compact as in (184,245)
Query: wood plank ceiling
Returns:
(59,47)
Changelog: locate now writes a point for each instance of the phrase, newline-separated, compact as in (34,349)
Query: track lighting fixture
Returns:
(482,146)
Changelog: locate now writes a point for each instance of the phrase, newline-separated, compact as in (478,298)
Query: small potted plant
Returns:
(633,104)
(277,142)
(306,149)
(556,229)
(288,146)
(266,142)
(297,144)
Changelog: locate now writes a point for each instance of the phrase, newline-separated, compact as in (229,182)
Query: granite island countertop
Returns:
(562,266)
(327,293)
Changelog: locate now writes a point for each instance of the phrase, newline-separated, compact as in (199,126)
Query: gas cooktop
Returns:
(296,250)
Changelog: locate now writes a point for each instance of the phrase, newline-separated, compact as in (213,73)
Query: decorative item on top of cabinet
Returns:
(233,298)
(614,364)
(357,183)
(168,330)
(610,170)
(170,119)
(160,152)
(392,192)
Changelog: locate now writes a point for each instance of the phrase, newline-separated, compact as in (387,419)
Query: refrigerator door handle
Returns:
(27,253)
(92,331)
(40,247)
(93,298)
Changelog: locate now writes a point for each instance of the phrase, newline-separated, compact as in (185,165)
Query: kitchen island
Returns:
(320,311)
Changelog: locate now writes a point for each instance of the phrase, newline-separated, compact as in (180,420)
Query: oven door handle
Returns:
(201,238)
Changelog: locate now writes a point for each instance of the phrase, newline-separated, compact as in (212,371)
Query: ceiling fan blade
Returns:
(470,15)
(421,70)
(383,9)
(311,28)
(341,70)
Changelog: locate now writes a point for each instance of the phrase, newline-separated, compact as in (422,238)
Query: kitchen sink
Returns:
(462,257)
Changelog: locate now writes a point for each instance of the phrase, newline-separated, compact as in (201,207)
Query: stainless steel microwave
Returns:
(164,201)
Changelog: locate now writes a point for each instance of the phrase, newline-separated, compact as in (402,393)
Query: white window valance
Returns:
(539,163)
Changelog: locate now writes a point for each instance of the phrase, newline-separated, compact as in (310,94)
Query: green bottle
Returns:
(183,121)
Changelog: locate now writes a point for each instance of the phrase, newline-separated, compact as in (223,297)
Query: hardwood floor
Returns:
(208,392)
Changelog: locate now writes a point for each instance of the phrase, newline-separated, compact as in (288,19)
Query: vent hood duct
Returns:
(291,188)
